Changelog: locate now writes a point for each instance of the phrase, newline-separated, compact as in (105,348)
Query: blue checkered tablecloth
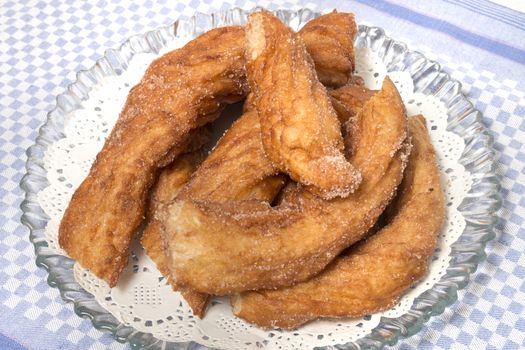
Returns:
(43,44)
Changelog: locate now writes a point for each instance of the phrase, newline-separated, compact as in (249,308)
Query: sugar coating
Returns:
(300,129)
(240,244)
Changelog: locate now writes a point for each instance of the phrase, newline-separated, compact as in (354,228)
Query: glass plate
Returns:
(478,207)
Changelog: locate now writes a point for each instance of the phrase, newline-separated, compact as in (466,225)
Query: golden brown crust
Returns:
(170,181)
(221,248)
(213,185)
(300,131)
(330,43)
(180,91)
(219,187)
(257,181)
(372,275)
(217,183)
(222,235)
(349,99)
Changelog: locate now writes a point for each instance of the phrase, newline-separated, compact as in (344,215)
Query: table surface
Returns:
(43,44)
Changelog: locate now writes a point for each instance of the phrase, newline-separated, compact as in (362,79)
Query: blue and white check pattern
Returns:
(43,44)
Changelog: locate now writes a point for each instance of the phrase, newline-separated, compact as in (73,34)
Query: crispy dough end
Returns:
(152,243)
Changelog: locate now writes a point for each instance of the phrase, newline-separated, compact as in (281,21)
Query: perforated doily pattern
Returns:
(143,299)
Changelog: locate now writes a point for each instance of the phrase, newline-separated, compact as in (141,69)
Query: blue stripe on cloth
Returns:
(476,6)
(496,8)
(458,33)
(508,16)
(500,8)
(9,344)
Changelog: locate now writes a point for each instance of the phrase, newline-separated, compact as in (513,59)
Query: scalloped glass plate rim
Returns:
(478,208)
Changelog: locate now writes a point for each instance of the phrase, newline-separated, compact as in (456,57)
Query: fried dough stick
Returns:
(263,183)
(329,40)
(170,181)
(299,127)
(180,91)
(222,248)
(336,30)
(183,89)
(373,274)
(349,100)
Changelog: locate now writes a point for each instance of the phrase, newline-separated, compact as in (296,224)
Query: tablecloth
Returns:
(43,44)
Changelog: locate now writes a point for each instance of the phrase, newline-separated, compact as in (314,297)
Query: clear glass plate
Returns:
(478,207)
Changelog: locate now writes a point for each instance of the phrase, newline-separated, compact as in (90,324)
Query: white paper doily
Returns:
(144,300)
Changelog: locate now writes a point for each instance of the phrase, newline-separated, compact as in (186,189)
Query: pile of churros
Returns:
(322,200)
